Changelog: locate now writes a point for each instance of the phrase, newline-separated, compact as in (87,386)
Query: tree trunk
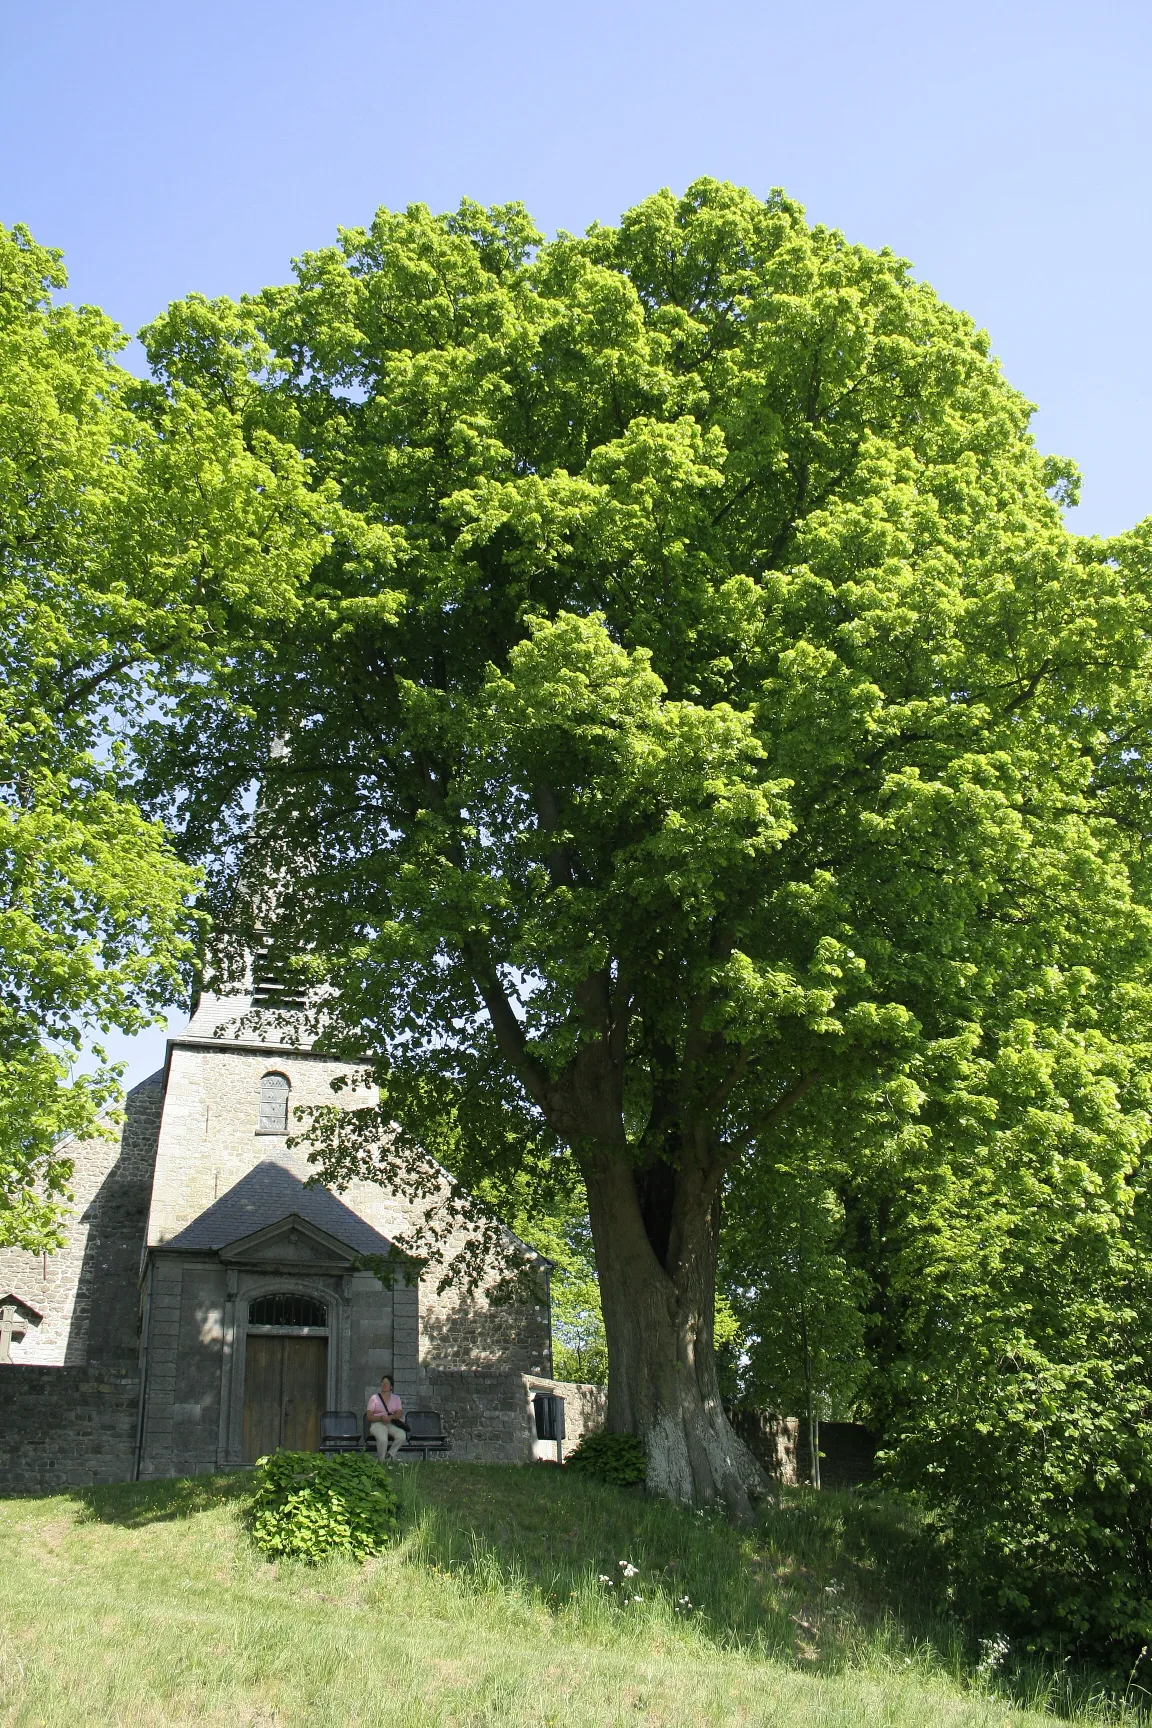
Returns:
(658,1299)
(810,1403)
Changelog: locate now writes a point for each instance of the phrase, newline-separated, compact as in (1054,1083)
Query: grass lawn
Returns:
(146,1604)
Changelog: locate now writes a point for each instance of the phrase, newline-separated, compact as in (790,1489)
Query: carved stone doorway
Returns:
(285,1391)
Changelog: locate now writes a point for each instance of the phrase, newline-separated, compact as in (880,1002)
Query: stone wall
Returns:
(69,1396)
(64,1427)
(847,1450)
(462,1330)
(88,1292)
(585,1408)
(489,1417)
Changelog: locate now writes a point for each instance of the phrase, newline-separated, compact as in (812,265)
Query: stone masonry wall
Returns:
(462,1329)
(781,1444)
(88,1292)
(65,1427)
(488,1416)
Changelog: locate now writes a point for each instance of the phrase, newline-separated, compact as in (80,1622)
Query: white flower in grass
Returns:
(992,1653)
(628,1569)
(603,1578)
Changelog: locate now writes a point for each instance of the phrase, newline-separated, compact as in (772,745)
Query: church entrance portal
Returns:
(285,1376)
(285,1390)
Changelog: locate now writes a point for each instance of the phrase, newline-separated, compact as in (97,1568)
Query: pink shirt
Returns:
(380,1409)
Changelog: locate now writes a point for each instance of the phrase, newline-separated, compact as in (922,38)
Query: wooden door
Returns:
(305,1392)
(285,1390)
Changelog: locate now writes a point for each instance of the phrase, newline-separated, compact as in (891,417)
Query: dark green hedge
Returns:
(615,1458)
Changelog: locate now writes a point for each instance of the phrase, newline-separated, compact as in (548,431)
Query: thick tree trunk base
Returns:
(661,1363)
(728,1474)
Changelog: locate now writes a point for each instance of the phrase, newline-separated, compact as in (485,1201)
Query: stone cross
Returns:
(11,1326)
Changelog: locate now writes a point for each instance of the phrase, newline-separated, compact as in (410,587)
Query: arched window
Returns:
(287,1310)
(274,1090)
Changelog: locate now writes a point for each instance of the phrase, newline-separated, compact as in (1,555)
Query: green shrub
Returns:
(306,1506)
(615,1458)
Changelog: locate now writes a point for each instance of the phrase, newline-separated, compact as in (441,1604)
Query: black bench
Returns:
(340,1431)
(425,1434)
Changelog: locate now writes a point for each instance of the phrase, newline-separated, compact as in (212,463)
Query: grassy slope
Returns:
(145,1604)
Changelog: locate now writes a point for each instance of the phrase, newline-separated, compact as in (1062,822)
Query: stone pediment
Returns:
(291,1242)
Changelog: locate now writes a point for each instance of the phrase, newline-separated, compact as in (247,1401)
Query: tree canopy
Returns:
(699,728)
(137,531)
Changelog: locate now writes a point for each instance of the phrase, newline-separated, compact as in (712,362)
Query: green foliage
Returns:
(711,644)
(307,1506)
(553,1218)
(618,1459)
(1018,1395)
(986,1260)
(798,1301)
(138,535)
(579,1342)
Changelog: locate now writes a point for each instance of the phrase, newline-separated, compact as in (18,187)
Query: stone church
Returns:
(209,1305)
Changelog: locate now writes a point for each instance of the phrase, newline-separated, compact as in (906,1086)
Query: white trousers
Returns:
(384,1433)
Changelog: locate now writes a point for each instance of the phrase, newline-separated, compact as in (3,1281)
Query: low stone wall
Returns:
(72,1427)
(65,1427)
(584,1410)
(772,1440)
(780,1443)
(847,1454)
(489,1418)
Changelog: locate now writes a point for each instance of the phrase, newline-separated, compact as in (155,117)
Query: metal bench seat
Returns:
(340,1431)
(425,1434)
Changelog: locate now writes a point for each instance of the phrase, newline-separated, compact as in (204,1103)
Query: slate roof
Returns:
(265,1196)
(239,1019)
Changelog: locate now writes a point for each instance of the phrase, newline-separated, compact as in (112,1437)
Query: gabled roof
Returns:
(264,1197)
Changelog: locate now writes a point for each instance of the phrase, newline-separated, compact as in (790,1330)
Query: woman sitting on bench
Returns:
(386,1421)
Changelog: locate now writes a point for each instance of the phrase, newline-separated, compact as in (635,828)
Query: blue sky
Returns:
(1005,149)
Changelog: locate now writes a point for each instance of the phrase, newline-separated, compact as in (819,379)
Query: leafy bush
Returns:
(307,1506)
(615,1458)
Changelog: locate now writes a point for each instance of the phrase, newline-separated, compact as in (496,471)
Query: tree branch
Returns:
(548,811)
(510,1037)
(782,1105)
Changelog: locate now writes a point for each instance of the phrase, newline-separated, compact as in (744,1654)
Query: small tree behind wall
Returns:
(799,1302)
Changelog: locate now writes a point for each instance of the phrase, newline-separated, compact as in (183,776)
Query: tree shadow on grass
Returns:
(817,1577)
(829,1581)
(133,1504)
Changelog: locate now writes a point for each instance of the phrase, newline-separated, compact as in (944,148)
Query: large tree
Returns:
(139,532)
(712,716)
